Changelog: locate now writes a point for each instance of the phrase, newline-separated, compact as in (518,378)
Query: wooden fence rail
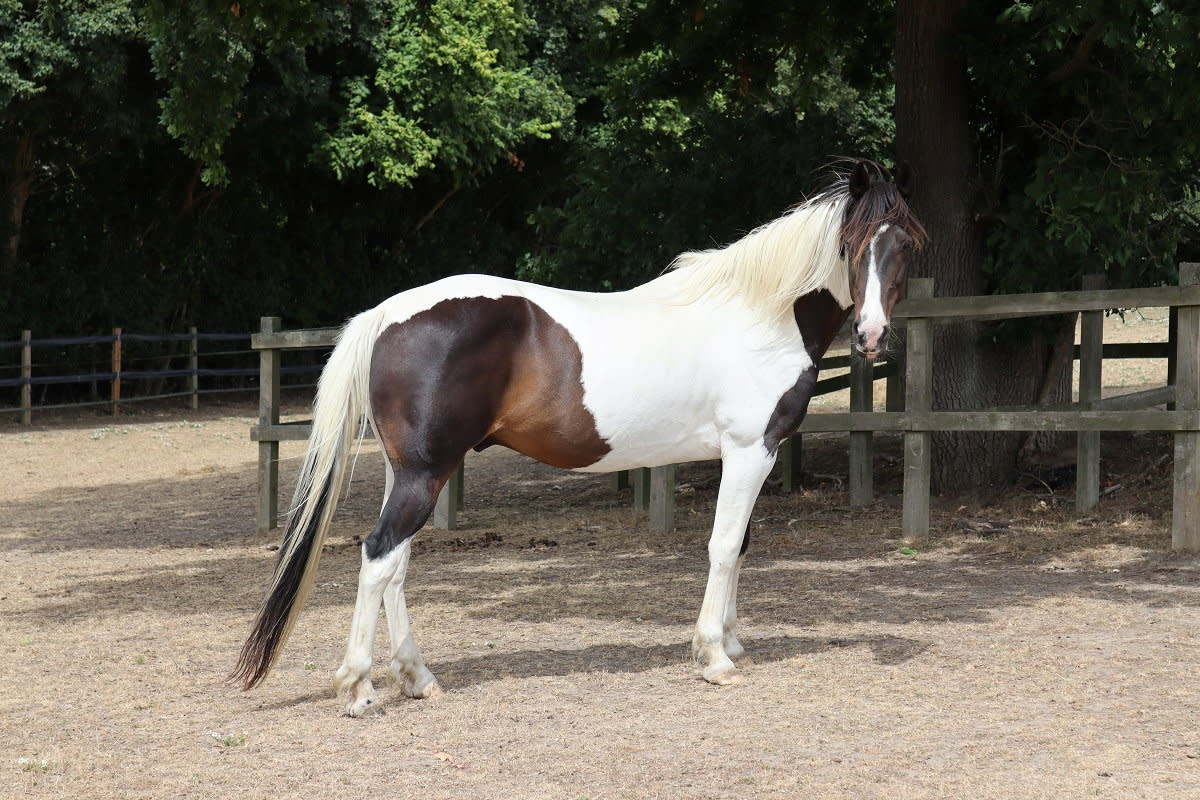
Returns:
(909,407)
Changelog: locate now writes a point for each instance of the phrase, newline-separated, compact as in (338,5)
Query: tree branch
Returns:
(1079,59)
(436,207)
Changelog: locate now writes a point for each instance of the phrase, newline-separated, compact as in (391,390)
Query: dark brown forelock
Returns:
(881,203)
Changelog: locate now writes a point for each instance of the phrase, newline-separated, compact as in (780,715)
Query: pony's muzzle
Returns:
(870,342)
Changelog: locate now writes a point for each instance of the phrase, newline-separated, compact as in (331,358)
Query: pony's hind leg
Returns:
(384,561)
(407,669)
(354,675)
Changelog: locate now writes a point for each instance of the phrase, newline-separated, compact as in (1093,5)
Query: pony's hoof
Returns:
(363,699)
(431,690)
(714,662)
(418,683)
(363,707)
(427,691)
(723,675)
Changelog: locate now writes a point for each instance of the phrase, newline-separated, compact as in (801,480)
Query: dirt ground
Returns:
(1025,651)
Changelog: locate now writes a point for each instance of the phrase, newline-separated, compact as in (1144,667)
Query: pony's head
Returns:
(878,236)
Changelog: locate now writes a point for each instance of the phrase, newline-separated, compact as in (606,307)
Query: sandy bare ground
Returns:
(1025,652)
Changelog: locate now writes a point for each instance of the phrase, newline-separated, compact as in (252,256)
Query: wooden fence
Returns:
(909,407)
(1088,417)
(121,360)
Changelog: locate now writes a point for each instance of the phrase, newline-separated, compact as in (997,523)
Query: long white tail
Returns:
(339,417)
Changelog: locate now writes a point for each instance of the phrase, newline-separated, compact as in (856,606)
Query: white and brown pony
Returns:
(716,358)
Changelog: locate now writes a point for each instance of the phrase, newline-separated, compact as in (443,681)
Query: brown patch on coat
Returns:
(818,317)
(472,372)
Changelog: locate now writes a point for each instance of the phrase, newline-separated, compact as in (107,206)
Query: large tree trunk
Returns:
(933,134)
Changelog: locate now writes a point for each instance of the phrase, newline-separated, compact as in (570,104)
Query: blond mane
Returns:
(768,268)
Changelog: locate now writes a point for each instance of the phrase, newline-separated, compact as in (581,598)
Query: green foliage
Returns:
(1088,149)
(64,86)
(702,126)
(206,163)
(203,52)
(452,90)
(40,42)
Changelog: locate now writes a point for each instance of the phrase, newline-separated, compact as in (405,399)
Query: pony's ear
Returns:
(904,179)
(860,180)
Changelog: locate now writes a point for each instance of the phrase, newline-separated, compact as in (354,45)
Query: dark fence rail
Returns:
(40,374)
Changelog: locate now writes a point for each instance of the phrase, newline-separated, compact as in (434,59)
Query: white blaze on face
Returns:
(872,321)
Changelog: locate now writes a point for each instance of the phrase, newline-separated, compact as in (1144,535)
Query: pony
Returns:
(715,358)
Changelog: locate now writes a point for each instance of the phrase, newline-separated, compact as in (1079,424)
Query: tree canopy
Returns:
(205,163)
(1088,158)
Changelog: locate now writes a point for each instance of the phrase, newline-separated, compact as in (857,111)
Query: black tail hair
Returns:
(289,588)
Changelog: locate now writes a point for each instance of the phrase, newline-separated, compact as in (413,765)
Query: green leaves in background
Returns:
(172,163)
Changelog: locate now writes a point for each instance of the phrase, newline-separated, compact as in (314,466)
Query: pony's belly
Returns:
(650,414)
(654,448)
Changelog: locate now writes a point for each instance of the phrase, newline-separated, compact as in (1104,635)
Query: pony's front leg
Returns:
(742,474)
(733,648)
(354,675)
(407,668)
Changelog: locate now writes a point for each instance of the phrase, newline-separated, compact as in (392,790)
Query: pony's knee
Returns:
(379,542)
(407,508)
(723,554)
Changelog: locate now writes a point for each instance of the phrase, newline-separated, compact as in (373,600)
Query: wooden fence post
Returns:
(26,376)
(1185,518)
(194,367)
(789,459)
(268,414)
(862,374)
(1087,443)
(640,478)
(662,498)
(450,501)
(895,382)
(919,384)
(116,370)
